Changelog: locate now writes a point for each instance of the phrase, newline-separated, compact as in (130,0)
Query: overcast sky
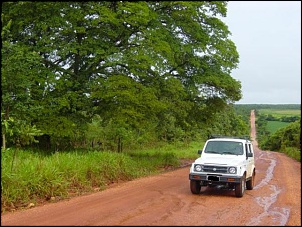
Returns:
(267,35)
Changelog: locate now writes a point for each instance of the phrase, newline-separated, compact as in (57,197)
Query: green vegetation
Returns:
(274,107)
(273,126)
(279,129)
(115,75)
(286,140)
(280,112)
(30,176)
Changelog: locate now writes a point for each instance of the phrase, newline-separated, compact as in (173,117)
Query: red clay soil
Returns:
(166,199)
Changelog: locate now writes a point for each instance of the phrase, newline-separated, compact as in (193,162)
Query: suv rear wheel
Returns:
(250,184)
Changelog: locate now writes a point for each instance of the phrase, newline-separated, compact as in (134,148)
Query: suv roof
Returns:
(228,137)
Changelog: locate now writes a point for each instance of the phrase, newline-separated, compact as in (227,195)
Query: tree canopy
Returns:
(152,70)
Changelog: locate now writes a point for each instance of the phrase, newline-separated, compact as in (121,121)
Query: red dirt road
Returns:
(166,199)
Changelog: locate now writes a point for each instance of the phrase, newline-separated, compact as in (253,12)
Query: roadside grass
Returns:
(31,177)
(293,153)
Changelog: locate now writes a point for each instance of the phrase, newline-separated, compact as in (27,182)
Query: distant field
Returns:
(273,126)
(280,113)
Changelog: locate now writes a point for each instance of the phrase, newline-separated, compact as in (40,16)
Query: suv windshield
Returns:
(224,147)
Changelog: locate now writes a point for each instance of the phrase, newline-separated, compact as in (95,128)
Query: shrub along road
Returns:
(166,199)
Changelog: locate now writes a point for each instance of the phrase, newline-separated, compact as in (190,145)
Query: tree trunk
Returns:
(119,145)
(3,141)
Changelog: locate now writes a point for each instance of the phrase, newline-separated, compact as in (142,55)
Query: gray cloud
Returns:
(268,39)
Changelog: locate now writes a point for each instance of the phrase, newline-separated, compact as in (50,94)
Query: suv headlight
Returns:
(198,168)
(232,170)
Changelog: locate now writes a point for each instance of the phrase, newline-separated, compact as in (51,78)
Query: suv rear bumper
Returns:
(215,178)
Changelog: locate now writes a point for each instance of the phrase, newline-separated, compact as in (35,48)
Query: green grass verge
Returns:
(32,177)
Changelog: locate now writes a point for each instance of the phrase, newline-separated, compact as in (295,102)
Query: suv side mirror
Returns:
(250,154)
(199,151)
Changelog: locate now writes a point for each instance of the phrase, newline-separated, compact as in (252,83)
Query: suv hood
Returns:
(220,160)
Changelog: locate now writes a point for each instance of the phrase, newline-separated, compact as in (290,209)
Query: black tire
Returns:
(251,183)
(240,188)
(195,186)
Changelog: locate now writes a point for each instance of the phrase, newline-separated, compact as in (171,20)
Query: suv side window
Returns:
(247,150)
(250,148)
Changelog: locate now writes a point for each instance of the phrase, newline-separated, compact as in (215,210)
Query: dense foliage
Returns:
(116,74)
(286,139)
(288,136)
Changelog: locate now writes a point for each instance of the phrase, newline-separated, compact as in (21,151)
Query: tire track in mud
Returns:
(276,215)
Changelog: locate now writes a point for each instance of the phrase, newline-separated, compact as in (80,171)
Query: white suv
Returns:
(226,161)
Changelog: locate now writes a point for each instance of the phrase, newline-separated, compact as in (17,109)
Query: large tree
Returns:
(165,63)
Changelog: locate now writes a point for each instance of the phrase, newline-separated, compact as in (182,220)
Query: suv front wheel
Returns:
(195,186)
(240,188)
